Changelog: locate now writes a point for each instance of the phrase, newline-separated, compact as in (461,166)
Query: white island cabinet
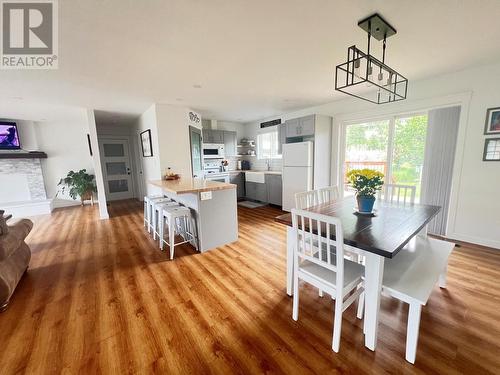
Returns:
(213,205)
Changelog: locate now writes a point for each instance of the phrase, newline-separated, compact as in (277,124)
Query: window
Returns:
(394,146)
(267,145)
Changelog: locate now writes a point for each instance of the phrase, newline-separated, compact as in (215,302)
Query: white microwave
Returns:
(213,151)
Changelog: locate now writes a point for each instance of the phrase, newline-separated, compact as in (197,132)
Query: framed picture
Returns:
(492,125)
(147,147)
(491,149)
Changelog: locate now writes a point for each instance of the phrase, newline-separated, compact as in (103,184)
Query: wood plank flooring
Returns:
(100,298)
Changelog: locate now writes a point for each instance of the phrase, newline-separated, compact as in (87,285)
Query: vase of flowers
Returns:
(366,182)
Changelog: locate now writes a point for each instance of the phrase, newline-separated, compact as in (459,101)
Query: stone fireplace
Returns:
(22,189)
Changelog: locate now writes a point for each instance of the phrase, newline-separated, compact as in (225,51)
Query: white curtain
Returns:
(440,148)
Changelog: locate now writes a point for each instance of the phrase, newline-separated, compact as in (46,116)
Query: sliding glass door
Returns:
(394,146)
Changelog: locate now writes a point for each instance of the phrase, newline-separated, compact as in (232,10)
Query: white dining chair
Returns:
(306,199)
(319,261)
(328,194)
(395,193)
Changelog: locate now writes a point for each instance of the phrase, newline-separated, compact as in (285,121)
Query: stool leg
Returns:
(154,224)
(171,237)
(162,232)
(149,217)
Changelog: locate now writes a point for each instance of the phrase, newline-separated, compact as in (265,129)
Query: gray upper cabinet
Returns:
(218,136)
(307,125)
(300,127)
(230,143)
(274,189)
(281,137)
(292,128)
(213,136)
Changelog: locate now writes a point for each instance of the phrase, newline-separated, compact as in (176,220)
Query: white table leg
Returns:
(289,260)
(374,273)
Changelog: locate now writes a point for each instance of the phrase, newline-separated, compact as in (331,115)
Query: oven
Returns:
(219,177)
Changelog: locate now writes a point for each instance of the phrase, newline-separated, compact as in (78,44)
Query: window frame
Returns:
(274,154)
(390,142)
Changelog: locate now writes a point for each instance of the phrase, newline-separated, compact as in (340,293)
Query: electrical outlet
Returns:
(205,195)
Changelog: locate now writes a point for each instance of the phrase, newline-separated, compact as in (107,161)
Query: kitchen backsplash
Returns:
(255,164)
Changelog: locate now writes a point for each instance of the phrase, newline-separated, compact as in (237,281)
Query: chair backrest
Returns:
(313,240)
(328,194)
(306,199)
(398,193)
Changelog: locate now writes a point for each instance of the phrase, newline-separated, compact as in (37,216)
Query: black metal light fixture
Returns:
(366,77)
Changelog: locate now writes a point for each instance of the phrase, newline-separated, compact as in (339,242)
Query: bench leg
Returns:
(290,237)
(442,277)
(412,331)
(361,306)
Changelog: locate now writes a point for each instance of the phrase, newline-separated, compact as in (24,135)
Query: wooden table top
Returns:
(191,185)
(384,234)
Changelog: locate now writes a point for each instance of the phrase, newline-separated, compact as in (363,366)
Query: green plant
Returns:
(80,184)
(366,182)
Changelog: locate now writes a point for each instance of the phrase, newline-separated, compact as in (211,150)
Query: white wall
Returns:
(474,215)
(27,135)
(66,145)
(149,167)
(170,138)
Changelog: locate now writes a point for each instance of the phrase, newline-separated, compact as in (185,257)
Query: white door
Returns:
(116,168)
(295,180)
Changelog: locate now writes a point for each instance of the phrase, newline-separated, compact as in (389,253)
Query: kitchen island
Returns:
(213,205)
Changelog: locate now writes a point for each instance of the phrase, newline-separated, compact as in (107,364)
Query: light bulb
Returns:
(380,78)
(357,64)
(370,76)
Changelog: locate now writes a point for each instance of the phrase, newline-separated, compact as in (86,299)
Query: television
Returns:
(9,136)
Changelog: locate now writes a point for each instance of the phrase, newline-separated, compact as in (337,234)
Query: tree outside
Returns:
(366,147)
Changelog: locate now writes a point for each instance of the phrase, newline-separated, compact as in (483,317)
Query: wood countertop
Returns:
(191,185)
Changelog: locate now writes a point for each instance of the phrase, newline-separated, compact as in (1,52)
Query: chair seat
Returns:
(415,270)
(352,272)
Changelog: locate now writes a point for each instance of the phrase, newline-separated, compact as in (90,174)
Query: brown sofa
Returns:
(15,256)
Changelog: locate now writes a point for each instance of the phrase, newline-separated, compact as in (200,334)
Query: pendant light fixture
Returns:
(366,77)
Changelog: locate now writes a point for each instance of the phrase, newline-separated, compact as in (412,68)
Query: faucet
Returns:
(268,164)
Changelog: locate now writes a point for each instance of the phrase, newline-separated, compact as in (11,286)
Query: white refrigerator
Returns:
(297,171)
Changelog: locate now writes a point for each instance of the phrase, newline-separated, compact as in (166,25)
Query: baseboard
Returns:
(471,240)
(28,208)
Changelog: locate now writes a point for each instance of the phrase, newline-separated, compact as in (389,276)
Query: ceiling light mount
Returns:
(366,77)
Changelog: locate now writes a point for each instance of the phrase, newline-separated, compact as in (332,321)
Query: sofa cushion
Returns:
(11,241)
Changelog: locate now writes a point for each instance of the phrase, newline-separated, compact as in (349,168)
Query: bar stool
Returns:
(147,209)
(177,220)
(157,208)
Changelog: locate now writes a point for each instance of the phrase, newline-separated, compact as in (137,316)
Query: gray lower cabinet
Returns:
(269,192)
(274,189)
(256,191)
(239,180)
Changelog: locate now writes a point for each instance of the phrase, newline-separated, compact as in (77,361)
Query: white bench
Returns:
(411,276)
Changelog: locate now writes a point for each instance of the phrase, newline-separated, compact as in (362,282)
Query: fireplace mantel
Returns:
(23,155)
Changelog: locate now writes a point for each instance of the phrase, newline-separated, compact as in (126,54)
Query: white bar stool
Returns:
(156,210)
(178,220)
(147,209)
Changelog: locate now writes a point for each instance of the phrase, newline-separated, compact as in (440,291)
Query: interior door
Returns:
(196,151)
(115,157)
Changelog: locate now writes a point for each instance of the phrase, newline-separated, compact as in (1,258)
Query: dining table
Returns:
(377,236)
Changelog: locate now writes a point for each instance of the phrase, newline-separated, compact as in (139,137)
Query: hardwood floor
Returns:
(100,298)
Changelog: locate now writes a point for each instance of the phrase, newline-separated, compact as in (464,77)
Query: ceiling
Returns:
(242,60)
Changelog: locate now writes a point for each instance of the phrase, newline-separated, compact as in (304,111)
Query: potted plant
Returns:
(366,182)
(80,184)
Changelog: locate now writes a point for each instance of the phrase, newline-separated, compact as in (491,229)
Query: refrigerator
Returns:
(297,171)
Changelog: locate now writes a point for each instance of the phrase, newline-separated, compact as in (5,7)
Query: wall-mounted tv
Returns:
(9,136)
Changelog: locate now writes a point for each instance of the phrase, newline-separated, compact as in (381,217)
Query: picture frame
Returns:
(147,145)
(491,149)
(492,123)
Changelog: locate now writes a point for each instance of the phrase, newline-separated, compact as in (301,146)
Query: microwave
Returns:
(213,151)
